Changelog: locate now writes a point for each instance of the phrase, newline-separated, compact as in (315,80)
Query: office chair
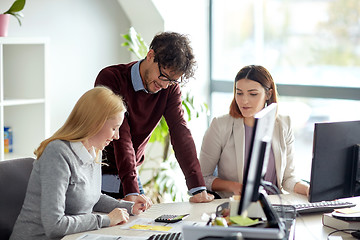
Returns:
(14,177)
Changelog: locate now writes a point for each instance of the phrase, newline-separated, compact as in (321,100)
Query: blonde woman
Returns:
(64,188)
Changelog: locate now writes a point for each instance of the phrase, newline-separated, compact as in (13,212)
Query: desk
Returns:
(308,227)
(195,210)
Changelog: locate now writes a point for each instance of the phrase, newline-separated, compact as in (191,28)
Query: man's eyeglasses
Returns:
(162,77)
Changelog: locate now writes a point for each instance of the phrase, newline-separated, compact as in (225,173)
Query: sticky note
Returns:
(150,227)
(243,221)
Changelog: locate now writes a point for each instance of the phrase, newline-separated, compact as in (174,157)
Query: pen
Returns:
(210,219)
(308,182)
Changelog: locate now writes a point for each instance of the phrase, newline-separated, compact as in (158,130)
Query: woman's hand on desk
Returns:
(222,185)
(118,216)
(302,188)
(202,197)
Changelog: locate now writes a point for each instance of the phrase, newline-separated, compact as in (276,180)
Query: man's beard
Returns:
(147,82)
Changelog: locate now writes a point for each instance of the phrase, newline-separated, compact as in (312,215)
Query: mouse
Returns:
(356,234)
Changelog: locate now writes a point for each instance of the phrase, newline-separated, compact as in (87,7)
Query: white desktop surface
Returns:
(194,209)
(308,227)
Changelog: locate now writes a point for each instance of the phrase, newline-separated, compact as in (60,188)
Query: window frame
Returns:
(292,90)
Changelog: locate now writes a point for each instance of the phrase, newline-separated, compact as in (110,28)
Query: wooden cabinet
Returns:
(23,90)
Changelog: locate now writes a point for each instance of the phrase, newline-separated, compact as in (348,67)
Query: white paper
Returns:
(90,236)
(175,227)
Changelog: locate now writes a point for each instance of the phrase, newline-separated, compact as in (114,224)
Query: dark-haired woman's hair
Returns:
(258,74)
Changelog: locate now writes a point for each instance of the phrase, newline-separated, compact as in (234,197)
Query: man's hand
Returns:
(141,203)
(202,197)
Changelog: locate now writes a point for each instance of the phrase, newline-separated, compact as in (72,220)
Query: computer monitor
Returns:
(258,159)
(335,166)
(254,172)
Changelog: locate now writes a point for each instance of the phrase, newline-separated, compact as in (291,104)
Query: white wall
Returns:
(191,17)
(145,19)
(85,36)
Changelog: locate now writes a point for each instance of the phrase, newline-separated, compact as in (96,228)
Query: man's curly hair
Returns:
(173,51)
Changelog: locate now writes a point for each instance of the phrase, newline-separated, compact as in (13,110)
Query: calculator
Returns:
(167,218)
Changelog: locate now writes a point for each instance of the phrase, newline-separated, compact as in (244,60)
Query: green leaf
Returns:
(136,43)
(160,132)
(127,37)
(17,6)
(17,16)
(15,9)
(188,111)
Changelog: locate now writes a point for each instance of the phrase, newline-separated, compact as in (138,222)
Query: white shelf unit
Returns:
(23,89)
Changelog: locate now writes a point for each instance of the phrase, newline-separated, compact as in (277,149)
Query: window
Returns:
(311,49)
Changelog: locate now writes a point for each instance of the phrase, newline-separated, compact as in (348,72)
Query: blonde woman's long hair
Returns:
(87,117)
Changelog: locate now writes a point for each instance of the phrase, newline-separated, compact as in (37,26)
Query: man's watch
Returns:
(198,191)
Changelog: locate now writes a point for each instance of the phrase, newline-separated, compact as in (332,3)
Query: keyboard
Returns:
(324,206)
(166,236)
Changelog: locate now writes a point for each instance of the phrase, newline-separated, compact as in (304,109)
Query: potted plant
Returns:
(14,10)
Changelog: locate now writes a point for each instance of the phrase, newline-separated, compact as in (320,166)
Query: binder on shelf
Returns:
(329,221)
(8,140)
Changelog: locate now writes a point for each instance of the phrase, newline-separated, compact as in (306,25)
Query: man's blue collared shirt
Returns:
(136,77)
(138,85)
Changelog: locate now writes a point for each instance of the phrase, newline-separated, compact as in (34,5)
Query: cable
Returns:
(237,236)
(273,189)
(341,230)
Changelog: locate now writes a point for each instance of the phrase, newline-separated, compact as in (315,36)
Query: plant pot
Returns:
(4,23)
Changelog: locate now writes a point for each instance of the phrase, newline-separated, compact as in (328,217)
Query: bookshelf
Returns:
(23,94)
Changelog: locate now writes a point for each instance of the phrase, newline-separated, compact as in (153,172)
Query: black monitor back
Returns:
(335,161)
(258,156)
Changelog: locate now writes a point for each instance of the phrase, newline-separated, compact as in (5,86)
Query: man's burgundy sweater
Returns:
(144,111)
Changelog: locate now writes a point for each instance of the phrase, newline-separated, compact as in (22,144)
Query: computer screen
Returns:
(258,156)
(335,163)
(254,172)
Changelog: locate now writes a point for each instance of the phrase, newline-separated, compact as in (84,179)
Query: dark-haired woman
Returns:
(226,143)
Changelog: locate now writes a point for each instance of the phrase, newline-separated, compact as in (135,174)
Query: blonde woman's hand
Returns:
(202,197)
(141,203)
(118,216)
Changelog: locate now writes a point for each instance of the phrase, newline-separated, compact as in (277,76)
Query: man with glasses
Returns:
(150,89)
